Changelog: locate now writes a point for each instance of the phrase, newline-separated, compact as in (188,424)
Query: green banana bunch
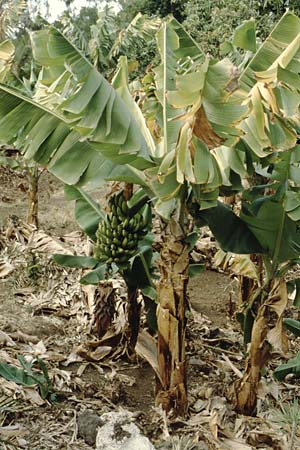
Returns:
(118,235)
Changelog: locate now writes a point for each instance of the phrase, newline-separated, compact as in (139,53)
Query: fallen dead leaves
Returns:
(87,372)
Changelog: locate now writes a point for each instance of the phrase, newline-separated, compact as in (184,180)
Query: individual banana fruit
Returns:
(118,235)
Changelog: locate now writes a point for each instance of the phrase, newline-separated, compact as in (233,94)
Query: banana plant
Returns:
(271,81)
(263,309)
(122,244)
(269,84)
(85,131)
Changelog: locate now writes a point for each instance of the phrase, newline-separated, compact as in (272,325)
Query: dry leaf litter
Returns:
(46,314)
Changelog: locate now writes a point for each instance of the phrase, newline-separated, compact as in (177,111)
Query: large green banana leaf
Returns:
(268,220)
(276,46)
(198,112)
(86,100)
(270,86)
(45,136)
(231,232)
(43,130)
(80,116)
(120,84)
(87,211)
(168,44)
(193,88)
(275,218)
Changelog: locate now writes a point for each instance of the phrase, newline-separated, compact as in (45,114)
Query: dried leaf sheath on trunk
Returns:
(172,295)
(267,334)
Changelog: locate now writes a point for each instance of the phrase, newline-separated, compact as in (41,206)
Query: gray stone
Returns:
(120,433)
(88,423)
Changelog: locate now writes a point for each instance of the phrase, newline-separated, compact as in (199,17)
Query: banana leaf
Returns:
(87,211)
(96,275)
(268,54)
(292,366)
(86,100)
(276,232)
(292,325)
(196,97)
(99,272)
(269,85)
(45,136)
(231,232)
(294,285)
(83,262)
(76,119)
(245,36)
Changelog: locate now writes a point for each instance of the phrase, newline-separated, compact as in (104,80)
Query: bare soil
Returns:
(55,213)
(213,339)
(210,294)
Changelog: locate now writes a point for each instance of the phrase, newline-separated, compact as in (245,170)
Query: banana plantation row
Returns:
(193,131)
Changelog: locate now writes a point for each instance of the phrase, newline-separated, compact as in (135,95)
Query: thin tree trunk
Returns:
(33,181)
(267,334)
(171,389)
(104,308)
(250,297)
(247,286)
(133,317)
(133,306)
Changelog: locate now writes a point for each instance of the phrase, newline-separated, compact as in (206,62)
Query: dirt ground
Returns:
(55,213)
(46,304)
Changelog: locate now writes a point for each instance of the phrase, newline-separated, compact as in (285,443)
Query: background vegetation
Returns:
(210,23)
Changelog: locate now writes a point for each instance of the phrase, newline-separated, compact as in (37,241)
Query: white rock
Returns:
(120,433)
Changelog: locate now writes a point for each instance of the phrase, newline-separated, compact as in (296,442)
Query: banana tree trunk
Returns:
(250,297)
(171,389)
(33,201)
(105,307)
(267,334)
(133,317)
(133,305)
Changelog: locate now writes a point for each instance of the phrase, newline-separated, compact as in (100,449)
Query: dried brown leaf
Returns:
(6,340)
(31,394)
(146,348)
(214,424)
(5,268)
(12,431)
(97,355)
(235,444)
(40,241)
(204,131)
(19,336)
